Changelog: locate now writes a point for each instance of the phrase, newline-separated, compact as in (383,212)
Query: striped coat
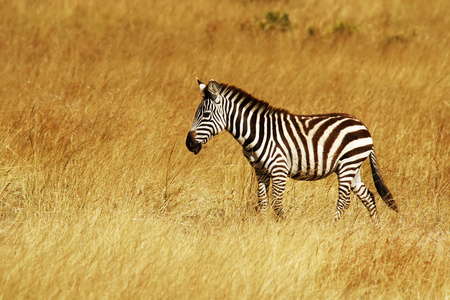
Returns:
(279,144)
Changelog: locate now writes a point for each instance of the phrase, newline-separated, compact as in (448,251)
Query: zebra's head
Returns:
(209,118)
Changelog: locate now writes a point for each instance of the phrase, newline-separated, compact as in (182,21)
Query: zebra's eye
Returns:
(206,114)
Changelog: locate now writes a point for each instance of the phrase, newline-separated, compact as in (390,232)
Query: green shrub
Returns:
(274,21)
(344,28)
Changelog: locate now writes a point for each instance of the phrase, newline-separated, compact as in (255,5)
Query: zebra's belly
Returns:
(306,176)
(298,173)
(310,171)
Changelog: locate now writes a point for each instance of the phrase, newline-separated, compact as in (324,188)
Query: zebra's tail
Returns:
(379,183)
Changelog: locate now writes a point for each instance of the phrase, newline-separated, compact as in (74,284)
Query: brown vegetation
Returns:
(99,198)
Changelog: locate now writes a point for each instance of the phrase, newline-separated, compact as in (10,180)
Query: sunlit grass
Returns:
(99,197)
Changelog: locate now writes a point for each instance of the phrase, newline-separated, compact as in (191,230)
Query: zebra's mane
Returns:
(231,91)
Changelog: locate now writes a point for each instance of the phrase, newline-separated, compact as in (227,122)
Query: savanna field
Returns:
(100,198)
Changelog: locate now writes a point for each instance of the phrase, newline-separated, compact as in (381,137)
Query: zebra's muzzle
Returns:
(192,144)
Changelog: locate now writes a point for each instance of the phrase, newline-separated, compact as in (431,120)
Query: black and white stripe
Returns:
(279,144)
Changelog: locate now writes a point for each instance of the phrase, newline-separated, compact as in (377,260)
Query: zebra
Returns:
(279,145)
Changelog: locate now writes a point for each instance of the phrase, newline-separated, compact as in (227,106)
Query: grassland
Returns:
(100,199)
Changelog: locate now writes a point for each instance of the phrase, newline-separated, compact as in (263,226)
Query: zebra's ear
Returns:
(213,88)
(202,86)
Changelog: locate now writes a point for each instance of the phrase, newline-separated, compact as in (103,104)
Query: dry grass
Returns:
(99,198)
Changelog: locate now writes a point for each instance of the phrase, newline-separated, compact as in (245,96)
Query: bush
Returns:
(344,28)
(274,21)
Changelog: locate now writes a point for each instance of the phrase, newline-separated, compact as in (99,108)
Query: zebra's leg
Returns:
(366,197)
(278,187)
(345,178)
(263,188)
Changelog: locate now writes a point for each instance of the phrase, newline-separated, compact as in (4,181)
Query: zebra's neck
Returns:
(246,115)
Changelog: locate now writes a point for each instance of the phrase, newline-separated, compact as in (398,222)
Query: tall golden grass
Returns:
(99,198)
